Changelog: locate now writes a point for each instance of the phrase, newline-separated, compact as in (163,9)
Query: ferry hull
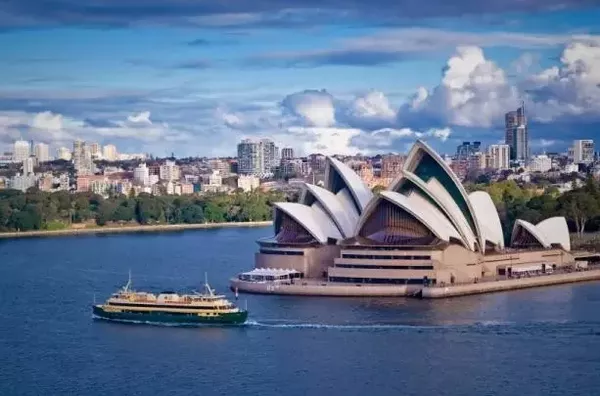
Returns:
(234,318)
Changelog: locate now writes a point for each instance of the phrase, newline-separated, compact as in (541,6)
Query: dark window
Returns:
(396,267)
(393,281)
(282,252)
(384,257)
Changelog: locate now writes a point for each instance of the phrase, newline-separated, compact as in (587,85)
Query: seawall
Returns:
(131,229)
(324,289)
(510,284)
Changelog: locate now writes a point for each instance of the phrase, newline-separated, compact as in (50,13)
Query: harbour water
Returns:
(533,342)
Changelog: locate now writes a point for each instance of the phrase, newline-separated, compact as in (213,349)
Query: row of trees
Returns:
(581,206)
(37,210)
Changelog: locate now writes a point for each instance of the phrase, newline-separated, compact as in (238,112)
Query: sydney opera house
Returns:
(423,229)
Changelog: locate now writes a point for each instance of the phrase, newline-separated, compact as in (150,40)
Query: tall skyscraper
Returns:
(516,134)
(583,151)
(466,150)
(499,156)
(21,150)
(41,152)
(109,152)
(82,157)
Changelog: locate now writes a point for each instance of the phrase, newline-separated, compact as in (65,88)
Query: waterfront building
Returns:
(583,151)
(423,229)
(41,151)
(63,153)
(21,150)
(109,152)
(499,156)
(540,163)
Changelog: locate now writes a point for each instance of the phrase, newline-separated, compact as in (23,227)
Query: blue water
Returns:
(533,342)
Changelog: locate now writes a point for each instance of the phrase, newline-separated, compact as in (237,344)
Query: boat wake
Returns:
(323,326)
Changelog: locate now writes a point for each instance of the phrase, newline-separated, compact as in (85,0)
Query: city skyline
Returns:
(370,82)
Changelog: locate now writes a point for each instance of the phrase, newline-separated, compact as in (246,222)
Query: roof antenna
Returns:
(128,285)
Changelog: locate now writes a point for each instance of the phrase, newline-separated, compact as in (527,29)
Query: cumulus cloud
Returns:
(315,108)
(469,102)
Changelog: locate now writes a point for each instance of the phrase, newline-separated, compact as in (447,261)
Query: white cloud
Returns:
(315,108)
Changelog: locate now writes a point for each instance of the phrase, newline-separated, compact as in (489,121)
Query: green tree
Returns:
(580,207)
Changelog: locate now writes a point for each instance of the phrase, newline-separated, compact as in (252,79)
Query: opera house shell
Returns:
(424,227)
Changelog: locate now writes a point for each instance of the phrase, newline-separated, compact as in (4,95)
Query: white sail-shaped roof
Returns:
(418,208)
(312,218)
(486,215)
(556,231)
(531,230)
(436,193)
(426,164)
(359,190)
(337,209)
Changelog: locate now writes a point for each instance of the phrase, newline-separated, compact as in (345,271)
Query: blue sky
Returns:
(194,77)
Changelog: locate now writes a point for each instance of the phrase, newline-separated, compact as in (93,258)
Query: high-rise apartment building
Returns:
(95,150)
(109,152)
(28,165)
(41,152)
(169,171)
(499,156)
(391,164)
(82,158)
(583,151)
(287,153)
(257,157)
(21,150)
(141,175)
(517,134)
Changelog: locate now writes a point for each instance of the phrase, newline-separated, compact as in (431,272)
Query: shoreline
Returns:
(131,229)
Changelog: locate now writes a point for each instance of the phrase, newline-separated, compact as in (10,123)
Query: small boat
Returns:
(169,307)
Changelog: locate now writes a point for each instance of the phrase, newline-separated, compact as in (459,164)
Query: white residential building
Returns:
(23,182)
(169,171)
(141,175)
(21,150)
(499,156)
(41,152)
(540,163)
(28,165)
(248,182)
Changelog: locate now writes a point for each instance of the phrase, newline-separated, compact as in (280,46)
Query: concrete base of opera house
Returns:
(510,284)
(313,287)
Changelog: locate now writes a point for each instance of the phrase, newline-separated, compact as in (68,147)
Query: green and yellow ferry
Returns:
(169,307)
